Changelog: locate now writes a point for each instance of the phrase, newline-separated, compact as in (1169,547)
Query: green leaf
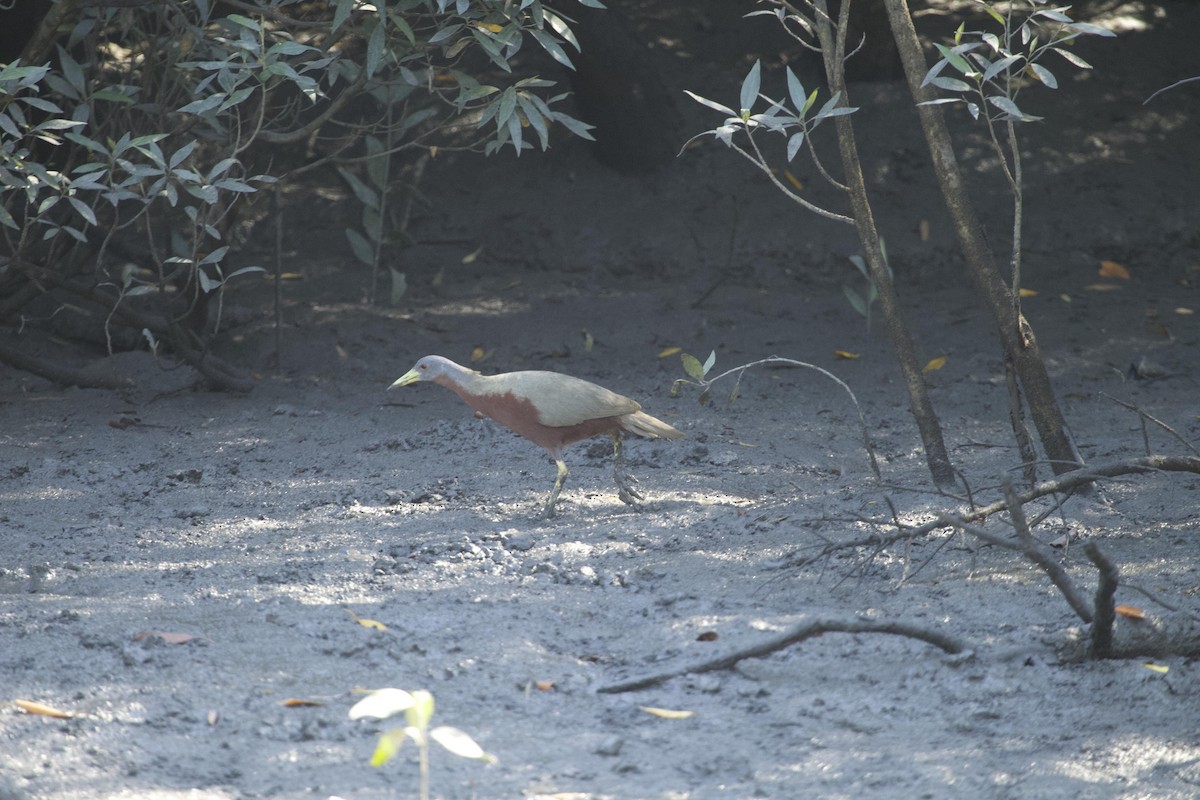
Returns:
(1071,57)
(795,91)
(691,365)
(245,22)
(388,746)
(954,59)
(552,47)
(375,49)
(341,14)
(715,106)
(750,87)
(362,248)
(365,194)
(399,285)
(1044,75)
(855,300)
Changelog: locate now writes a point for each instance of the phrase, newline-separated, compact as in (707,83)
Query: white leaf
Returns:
(382,704)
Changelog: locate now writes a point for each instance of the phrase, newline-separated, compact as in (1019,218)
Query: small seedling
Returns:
(862,302)
(418,711)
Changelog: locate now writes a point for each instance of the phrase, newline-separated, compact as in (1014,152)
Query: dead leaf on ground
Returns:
(845,355)
(669,351)
(367,623)
(707,636)
(1130,612)
(935,364)
(43,710)
(298,702)
(1161,669)
(666,713)
(1111,269)
(1102,287)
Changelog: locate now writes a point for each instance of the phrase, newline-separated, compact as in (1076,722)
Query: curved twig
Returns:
(797,633)
(862,418)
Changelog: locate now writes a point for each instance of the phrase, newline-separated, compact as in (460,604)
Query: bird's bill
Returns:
(412,376)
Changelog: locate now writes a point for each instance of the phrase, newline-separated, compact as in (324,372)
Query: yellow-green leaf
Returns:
(667,713)
(692,366)
(388,746)
(935,364)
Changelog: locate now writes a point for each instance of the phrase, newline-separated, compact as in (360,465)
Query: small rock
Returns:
(518,542)
(610,746)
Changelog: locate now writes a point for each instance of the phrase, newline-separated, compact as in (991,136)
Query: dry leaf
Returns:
(296,702)
(1184,311)
(469,258)
(1130,612)
(42,710)
(170,637)
(794,181)
(370,623)
(923,230)
(544,686)
(588,341)
(367,623)
(1161,669)
(666,713)
(1066,298)
(1111,269)
(1102,287)
(934,364)
(845,355)
(477,354)
(707,636)
(1027,292)
(670,351)
(214,717)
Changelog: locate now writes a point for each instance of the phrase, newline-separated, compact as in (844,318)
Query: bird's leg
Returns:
(625,481)
(548,511)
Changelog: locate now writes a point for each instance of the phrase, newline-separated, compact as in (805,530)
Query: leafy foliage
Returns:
(993,67)
(149,128)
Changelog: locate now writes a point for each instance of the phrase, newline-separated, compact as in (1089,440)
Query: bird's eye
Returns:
(424,366)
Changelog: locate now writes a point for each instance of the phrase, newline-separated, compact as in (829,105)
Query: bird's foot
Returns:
(626,491)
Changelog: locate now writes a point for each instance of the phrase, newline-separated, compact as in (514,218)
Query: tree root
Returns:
(1111,635)
(183,343)
(797,633)
(62,375)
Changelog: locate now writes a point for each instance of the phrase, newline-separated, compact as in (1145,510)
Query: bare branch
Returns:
(797,633)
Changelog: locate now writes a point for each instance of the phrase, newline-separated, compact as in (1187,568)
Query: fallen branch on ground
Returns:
(1066,482)
(797,633)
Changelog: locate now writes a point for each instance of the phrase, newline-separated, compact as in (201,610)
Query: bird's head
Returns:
(429,368)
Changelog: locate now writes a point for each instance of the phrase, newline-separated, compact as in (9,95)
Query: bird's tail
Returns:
(642,424)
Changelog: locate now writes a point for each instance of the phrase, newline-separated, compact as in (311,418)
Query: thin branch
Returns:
(797,633)
(1147,417)
(1038,553)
